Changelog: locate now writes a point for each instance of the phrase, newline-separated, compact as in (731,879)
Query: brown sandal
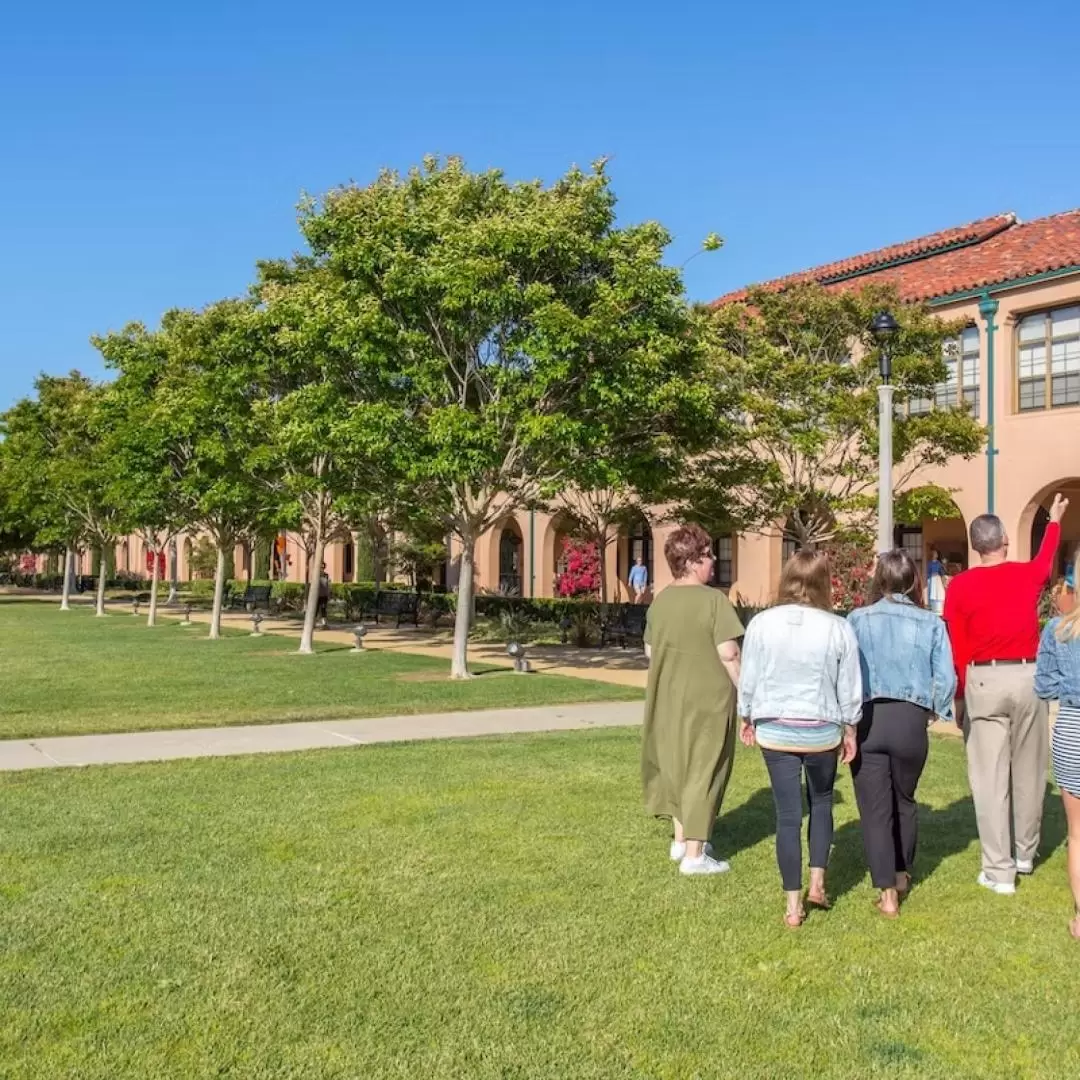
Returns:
(886,912)
(793,922)
(907,883)
(821,901)
(1074,927)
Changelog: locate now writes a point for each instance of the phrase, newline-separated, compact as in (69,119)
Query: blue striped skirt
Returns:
(1065,749)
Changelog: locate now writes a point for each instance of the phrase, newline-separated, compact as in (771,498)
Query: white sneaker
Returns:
(998,887)
(1025,866)
(703,864)
(678,851)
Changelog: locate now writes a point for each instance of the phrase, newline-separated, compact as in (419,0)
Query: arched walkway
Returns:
(1035,517)
(635,542)
(509,552)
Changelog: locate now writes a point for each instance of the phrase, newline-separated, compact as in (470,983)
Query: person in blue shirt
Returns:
(638,581)
(907,678)
(936,581)
(1057,677)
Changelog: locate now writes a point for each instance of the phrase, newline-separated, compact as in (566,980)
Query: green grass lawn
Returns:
(497,908)
(67,673)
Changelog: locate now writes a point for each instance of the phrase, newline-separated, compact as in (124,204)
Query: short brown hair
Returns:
(806,580)
(687,544)
(896,575)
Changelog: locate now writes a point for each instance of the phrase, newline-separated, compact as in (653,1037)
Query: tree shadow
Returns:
(943,832)
(746,825)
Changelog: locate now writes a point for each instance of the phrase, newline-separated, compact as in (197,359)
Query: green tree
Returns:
(147,470)
(209,403)
(803,369)
(510,319)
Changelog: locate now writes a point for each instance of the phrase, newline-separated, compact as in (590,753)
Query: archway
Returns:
(511,546)
(635,542)
(1036,517)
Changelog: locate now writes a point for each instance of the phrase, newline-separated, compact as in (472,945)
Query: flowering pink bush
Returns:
(852,564)
(582,574)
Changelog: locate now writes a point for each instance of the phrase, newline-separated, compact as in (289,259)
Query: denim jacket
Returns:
(905,655)
(1057,669)
(799,663)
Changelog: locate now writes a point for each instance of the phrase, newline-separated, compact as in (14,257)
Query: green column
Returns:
(988,309)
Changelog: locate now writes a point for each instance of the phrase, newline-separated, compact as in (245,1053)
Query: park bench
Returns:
(252,598)
(623,623)
(393,604)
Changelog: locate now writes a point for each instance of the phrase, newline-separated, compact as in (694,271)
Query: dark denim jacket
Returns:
(1057,670)
(905,655)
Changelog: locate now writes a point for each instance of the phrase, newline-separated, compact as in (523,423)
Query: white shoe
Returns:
(678,851)
(1025,866)
(998,887)
(703,864)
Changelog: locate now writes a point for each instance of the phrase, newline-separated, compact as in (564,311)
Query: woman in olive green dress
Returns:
(689,739)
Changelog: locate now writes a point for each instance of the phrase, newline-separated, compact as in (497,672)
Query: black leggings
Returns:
(785,772)
(893,744)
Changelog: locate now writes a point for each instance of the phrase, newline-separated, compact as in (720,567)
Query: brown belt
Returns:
(1000,663)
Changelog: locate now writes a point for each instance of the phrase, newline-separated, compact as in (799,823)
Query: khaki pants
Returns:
(1007,737)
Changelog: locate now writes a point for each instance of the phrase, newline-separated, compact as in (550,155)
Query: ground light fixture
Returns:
(516,651)
(187,615)
(256,621)
(135,606)
(359,632)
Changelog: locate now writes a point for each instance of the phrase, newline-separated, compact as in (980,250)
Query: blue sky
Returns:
(152,152)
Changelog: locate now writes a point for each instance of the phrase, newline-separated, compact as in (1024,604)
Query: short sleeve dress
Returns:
(689,737)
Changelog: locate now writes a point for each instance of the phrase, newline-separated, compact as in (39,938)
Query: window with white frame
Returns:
(910,539)
(1048,359)
(961,385)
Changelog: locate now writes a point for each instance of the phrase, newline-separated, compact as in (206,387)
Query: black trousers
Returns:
(893,744)
(320,607)
(786,772)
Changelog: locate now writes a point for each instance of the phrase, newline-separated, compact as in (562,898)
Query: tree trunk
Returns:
(155,576)
(103,573)
(219,594)
(459,665)
(69,573)
(307,637)
(601,547)
(174,573)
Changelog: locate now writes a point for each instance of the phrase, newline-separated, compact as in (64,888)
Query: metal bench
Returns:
(252,598)
(623,623)
(390,603)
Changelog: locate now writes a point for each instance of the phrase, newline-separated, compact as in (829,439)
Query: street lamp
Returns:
(883,329)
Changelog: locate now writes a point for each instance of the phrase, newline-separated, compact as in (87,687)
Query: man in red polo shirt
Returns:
(992,612)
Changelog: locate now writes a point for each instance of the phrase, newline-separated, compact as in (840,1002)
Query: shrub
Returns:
(582,574)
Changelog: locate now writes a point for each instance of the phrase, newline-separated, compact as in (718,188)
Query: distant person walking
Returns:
(937,581)
(991,611)
(907,679)
(688,743)
(1057,677)
(800,698)
(324,596)
(638,581)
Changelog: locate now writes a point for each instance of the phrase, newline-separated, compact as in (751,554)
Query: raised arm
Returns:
(1043,563)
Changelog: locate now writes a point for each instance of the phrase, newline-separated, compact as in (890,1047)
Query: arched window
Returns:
(723,550)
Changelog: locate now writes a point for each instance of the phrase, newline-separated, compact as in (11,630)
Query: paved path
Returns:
(75,750)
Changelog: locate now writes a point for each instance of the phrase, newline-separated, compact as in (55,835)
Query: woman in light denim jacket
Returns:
(908,676)
(799,698)
(1057,677)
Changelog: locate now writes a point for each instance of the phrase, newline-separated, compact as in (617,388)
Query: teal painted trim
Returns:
(988,308)
(1001,286)
(532,554)
(903,260)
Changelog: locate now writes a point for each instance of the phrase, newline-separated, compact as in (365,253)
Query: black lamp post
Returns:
(883,328)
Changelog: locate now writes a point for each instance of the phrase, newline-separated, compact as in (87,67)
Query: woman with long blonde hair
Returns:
(800,697)
(1057,677)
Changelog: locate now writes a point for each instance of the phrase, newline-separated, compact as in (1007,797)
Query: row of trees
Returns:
(453,347)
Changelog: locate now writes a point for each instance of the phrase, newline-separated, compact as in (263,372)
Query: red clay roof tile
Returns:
(986,252)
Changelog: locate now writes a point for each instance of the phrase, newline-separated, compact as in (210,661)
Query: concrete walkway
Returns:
(136,746)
